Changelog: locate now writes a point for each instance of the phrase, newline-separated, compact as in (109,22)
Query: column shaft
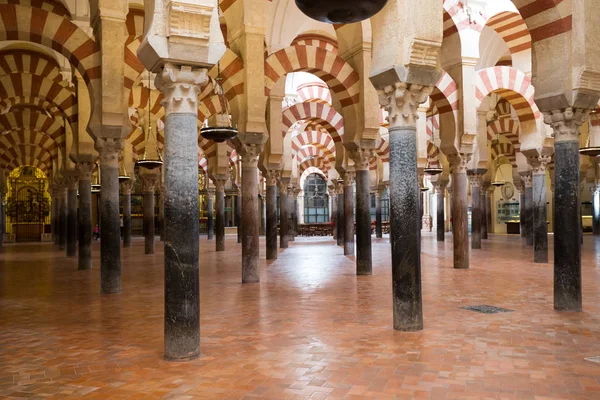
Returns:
(475,216)
(210,219)
(283,217)
(220,231)
(529,214)
(250,243)
(567,233)
(484,220)
(126,219)
(405,226)
(72,219)
(440,219)
(460,228)
(348,216)
(62,219)
(340,218)
(148,222)
(55,217)
(364,260)
(540,226)
(488,212)
(523,213)
(238,217)
(596,212)
(85,223)
(334,213)
(271,222)
(378,217)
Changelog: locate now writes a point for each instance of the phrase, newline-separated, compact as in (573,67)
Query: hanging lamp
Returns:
(424,189)
(429,170)
(223,129)
(123,175)
(145,162)
(496,142)
(340,11)
(96,180)
(590,151)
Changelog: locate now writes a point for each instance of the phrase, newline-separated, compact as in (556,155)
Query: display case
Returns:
(508,211)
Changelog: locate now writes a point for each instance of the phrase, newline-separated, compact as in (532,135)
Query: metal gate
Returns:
(29,224)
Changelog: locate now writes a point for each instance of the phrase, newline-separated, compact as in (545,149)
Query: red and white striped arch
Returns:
(314,39)
(32,120)
(507,128)
(324,114)
(510,84)
(512,29)
(26,136)
(506,149)
(316,162)
(433,154)
(312,150)
(26,154)
(383,151)
(30,103)
(343,80)
(315,138)
(30,62)
(545,18)
(314,92)
(52,6)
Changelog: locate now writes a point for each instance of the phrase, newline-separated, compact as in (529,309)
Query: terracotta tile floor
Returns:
(310,329)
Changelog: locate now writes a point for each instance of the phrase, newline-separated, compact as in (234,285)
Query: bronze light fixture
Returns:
(123,176)
(429,170)
(340,11)
(145,162)
(223,130)
(424,189)
(96,180)
(590,151)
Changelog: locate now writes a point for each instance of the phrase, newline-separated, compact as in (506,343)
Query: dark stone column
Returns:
(528,208)
(540,222)
(149,181)
(62,217)
(364,259)
(488,210)
(292,198)
(378,218)
(2,215)
(596,210)
(220,203)
(238,215)
(475,210)
(348,214)
(405,220)
(261,206)
(522,211)
(250,243)
(334,212)
(440,219)
(283,214)
(161,212)
(126,196)
(271,233)
(460,227)
(110,235)
(54,213)
(180,88)
(340,214)
(72,216)
(567,232)
(484,211)
(210,220)
(85,214)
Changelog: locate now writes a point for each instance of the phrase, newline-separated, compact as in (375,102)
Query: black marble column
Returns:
(161,213)
(596,211)
(540,223)
(488,211)
(238,215)
(475,211)
(149,234)
(85,215)
(440,219)
(261,207)
(250,243)
(334,213)
(522,212)
(181,245)
(529,211)
(293,215)
(378,217)
(271,218)
(484,211)
(72,216)
(62,217)
(2,216)
(567,232)
(460,227)
(340,215)
(349,214)
(110,227)
(364,259)
(126,198)
(283,216)
(220,225)
(55,214)
(210,211)
(405,227)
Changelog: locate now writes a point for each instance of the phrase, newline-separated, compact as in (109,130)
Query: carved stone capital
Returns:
(127,186)
(180,86)
(332,193)
(361,158)
(526,178)
(85,170)
(271,177)
(250,153)
(220,185)
(401,100)
(149,182)
(538,163)
(71,181)
(340,188)
(349,178)
(459,162)
(109,149)
(475,180)
(566,122)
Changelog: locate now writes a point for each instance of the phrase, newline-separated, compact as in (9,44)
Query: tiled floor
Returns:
(310,329)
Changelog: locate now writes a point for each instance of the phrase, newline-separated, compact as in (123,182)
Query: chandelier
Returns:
(340,11)
(147,162)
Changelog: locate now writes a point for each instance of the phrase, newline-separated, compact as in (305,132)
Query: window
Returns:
(316,200)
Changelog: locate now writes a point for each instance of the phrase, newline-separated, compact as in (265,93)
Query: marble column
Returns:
(484,211)
(149,181)
(340,213)
(85,214)
(488,209)
(161,212)
(55,211)
(71,215)
(539,212)
(440,219)
(567,233)
(475,180)
(596,210)
(364,257)
(334,212)
(2,215)
(404,193)
(62,216)
(238,215)
(460,226)
(250,243)
(378,216)
(522,210)
(271,234)
(283,214)
(110,226)
(126,198)
(220,220)
(180,86)
(293,198)
(526,178)
(210,196)
(349,214)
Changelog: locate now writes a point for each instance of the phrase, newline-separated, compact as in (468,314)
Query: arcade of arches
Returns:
(410,208)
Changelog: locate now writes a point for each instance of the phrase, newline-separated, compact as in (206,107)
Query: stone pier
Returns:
(349,214)
(85,229)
